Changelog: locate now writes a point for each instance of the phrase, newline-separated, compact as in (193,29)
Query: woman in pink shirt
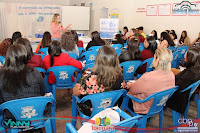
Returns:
(56,27)
(158,80)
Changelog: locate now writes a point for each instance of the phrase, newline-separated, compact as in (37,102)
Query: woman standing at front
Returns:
(56,27)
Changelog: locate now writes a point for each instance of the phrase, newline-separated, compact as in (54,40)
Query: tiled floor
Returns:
(63,108)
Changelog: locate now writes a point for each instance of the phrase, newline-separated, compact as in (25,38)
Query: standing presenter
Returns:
(56,27)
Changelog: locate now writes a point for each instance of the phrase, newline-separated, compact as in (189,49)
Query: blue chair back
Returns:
(141,48)
(141,44)
(44,51)
(88,66)
(118,51)
(175,61)
(129,68)
(182,50)
(30,109)
(149,64)
(117,46)
(100,101)
(94,48)
(2,60)
(89,56)
(192,89)
(172,48)
(126,43)
(73,56)
(63,75)
(81,50)
(42,55)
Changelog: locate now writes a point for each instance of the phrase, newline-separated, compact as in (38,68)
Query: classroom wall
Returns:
(161,23)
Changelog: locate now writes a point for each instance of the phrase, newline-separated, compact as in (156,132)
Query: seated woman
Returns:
(125,33)
(78,42)
(68,44)
(162,78)
(46,40)
(96,40)
(196,42)
(15,36)
(57,58)
(33,60)
(184,40)
(149,51)
(26,81)
(173,37)
(178,101)
(155,35)
(4,46)
(165,37)
(106,76)
(132,52)
(118,39)
(135,34)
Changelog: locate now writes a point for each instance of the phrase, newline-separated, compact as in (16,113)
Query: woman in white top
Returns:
(173,37)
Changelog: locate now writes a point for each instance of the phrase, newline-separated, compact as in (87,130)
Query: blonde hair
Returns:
(54,18)
(165,57)
(107,67)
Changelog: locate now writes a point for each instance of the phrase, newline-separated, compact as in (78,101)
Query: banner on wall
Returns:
(108,27)
(29,19)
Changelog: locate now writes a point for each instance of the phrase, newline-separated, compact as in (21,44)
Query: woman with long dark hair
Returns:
(68,44)
(15,36)
(57,58)
(132,52)
(76,39)
(184,40)
(46,40)
(164,36)
(33,60)
(17,79)
(150,45)
(106,76)
(178,101)
(96,40)
(118,40)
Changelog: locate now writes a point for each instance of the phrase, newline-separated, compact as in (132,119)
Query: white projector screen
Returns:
(78,16)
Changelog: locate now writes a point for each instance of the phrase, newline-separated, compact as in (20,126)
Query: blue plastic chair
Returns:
(42,55)
(141,44)
(94,48)
(128,122)
(160,98)
(141,48)
(172,48)
(149,67)
(118,51)
(81,50)
(73,56)
(44,51)
(129,68)
(198,105)
(100,101)
(117,46)
(126,43)
(88,56)
(2,60)
(31,109)
(182,50)
(175,61)
(63,75)
(88,66)
(176,115)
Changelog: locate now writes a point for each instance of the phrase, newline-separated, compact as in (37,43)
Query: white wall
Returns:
(59,2)
(129,17)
